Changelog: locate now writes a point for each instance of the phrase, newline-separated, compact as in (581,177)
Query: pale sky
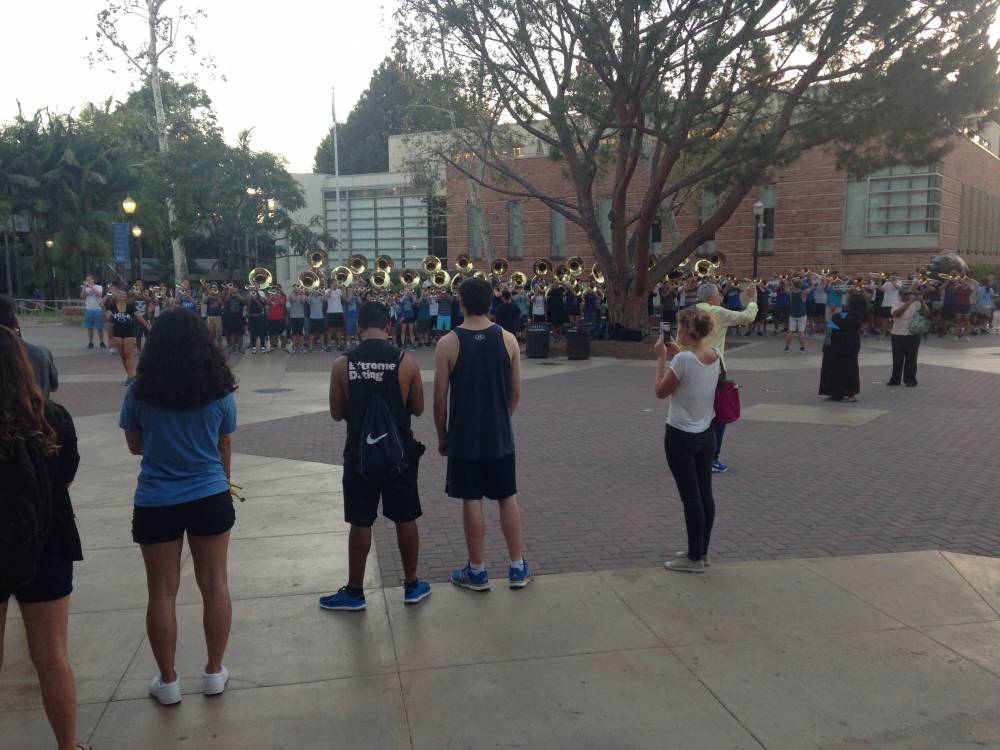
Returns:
(280,59)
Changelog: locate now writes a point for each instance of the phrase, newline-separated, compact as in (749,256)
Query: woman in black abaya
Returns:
(839,378)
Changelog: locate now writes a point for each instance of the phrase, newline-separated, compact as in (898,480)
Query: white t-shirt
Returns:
(92,297)
(901,325)
(433,306)
(538,305)
(692,404)
(334,301)
(890,294)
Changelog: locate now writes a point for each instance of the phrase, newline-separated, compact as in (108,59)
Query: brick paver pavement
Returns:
(597,493)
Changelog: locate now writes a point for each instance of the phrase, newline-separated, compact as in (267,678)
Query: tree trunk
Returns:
(180,259)
(623,307)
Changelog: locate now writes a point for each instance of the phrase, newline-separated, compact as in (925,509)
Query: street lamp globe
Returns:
(137,231)
(758,209)
(128,205)
(49,243)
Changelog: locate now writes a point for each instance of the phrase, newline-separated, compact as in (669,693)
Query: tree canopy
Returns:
(652,102)
(398,100)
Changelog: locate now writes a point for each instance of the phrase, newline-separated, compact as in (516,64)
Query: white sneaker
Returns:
(167,693)
(683,565)
(706,560)
(214,684)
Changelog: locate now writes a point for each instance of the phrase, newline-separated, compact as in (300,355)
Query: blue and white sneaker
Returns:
(465,578)
(416,592)
(343,601)
(520,577)
(719,468)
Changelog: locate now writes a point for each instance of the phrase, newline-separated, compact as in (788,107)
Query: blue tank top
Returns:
(478,414)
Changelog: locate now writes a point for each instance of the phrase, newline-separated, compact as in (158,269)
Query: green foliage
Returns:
(398,101)
(982,270)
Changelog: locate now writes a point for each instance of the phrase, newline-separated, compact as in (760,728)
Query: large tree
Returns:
(398,100)
(651,102)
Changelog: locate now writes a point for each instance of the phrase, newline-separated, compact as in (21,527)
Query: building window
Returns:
(558,235)
(475,231)
(437,228)
(979,222)
(895,207)
(515,230)
(767,233)
(706,207)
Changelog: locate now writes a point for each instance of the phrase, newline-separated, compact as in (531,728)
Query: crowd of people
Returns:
(182,427)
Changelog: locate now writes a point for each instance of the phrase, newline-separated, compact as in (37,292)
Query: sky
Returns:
(280,60)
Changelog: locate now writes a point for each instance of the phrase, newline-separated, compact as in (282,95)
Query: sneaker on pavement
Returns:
(343,601)
(416,592)
(214,684)
(520,577)
(802,349)
(103,345)
(785,350)
(719,468)
(685,566)
(706,560)
(167,693)
(466,579)
(90,345)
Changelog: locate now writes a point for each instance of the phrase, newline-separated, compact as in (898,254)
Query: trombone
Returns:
(463,263)
(357,265)
(431,264)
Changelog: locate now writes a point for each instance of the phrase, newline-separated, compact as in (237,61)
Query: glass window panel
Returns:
(558,238)
(387,201)
(388,233)
(362,224)
(362,233)
(475,234)
(389,212)
(359,245)
(362,203)
(410,200)
(515,229)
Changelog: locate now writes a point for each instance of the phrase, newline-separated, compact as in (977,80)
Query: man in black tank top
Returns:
(477,384)
(376,367)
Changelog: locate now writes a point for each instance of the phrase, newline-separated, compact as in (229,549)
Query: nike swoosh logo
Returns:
(374,441)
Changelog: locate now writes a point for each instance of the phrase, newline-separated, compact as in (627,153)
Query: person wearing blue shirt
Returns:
(179,415)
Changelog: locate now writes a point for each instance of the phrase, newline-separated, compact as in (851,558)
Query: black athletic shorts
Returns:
(296,326)
(400,495)
(669,316)
(233,325)
(476,478)
(276,327)
(335,320)
(53,580)
(209,516)
(885,312)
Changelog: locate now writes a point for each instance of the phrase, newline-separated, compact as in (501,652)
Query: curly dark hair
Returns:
(180,366)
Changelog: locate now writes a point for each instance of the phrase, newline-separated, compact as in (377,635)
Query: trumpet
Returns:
(357,265)
(260,276)
(596,273)
(575,266)
(542,267)
(518,278)
(440,278)
(317,259)
(410,277)
(384,263)
(431,264)
(380,279)
(499,267)
(344,275)
(463,263)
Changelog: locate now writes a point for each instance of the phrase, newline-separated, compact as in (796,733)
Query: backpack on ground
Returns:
(25,515)
(380,447)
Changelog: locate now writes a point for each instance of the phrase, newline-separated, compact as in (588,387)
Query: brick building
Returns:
(815,215)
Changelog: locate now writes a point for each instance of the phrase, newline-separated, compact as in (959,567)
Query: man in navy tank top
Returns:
(477,384)
(377,368)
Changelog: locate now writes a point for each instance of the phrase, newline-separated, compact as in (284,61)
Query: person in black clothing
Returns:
(839,377)
(508,315)
(557,309)
(256,309)
(122,316)
(233,323)
(477,384)
(44,599)
(377,368)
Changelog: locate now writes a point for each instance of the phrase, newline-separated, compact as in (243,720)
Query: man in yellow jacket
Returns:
(710,300)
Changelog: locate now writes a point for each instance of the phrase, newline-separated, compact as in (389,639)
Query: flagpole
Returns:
(336,176)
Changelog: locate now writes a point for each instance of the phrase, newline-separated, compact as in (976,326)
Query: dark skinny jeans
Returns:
(258,330)
(904,358)
(689,456)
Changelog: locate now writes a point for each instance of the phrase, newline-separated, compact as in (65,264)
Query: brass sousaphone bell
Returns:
(431,264)
(518,278)
(260,276)
(316,259)
(343,275)
(357,265)
(441,278)
(597,273)
(456,282)
(380,279)
(383,263)
(542,268)
(464,264)
(499,267)
(562,274)
(575,266)
(410,278)
(311,280)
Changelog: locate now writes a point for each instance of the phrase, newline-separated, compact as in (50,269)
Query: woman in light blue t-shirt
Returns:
(179,416)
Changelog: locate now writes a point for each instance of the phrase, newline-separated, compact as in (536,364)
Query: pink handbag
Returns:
(727,398)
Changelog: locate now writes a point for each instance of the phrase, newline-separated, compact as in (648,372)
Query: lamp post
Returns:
(48,246)
(758,230)
(129,206)
(137,233)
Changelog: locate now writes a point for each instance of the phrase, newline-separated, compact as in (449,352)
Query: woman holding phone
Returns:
(689,383)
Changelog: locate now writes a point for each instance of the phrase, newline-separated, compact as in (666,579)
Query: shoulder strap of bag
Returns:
(722,366)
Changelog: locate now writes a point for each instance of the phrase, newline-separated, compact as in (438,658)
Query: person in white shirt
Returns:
(905,344)
(689,440)
(334,316)
(890,298)
(93,315)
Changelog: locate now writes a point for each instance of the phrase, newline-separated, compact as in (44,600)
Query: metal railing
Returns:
(45,310)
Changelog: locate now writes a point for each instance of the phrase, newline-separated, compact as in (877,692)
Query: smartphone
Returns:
(665,333)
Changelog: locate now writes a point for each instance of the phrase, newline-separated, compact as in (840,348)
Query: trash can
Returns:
(536,340)
(577,342)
